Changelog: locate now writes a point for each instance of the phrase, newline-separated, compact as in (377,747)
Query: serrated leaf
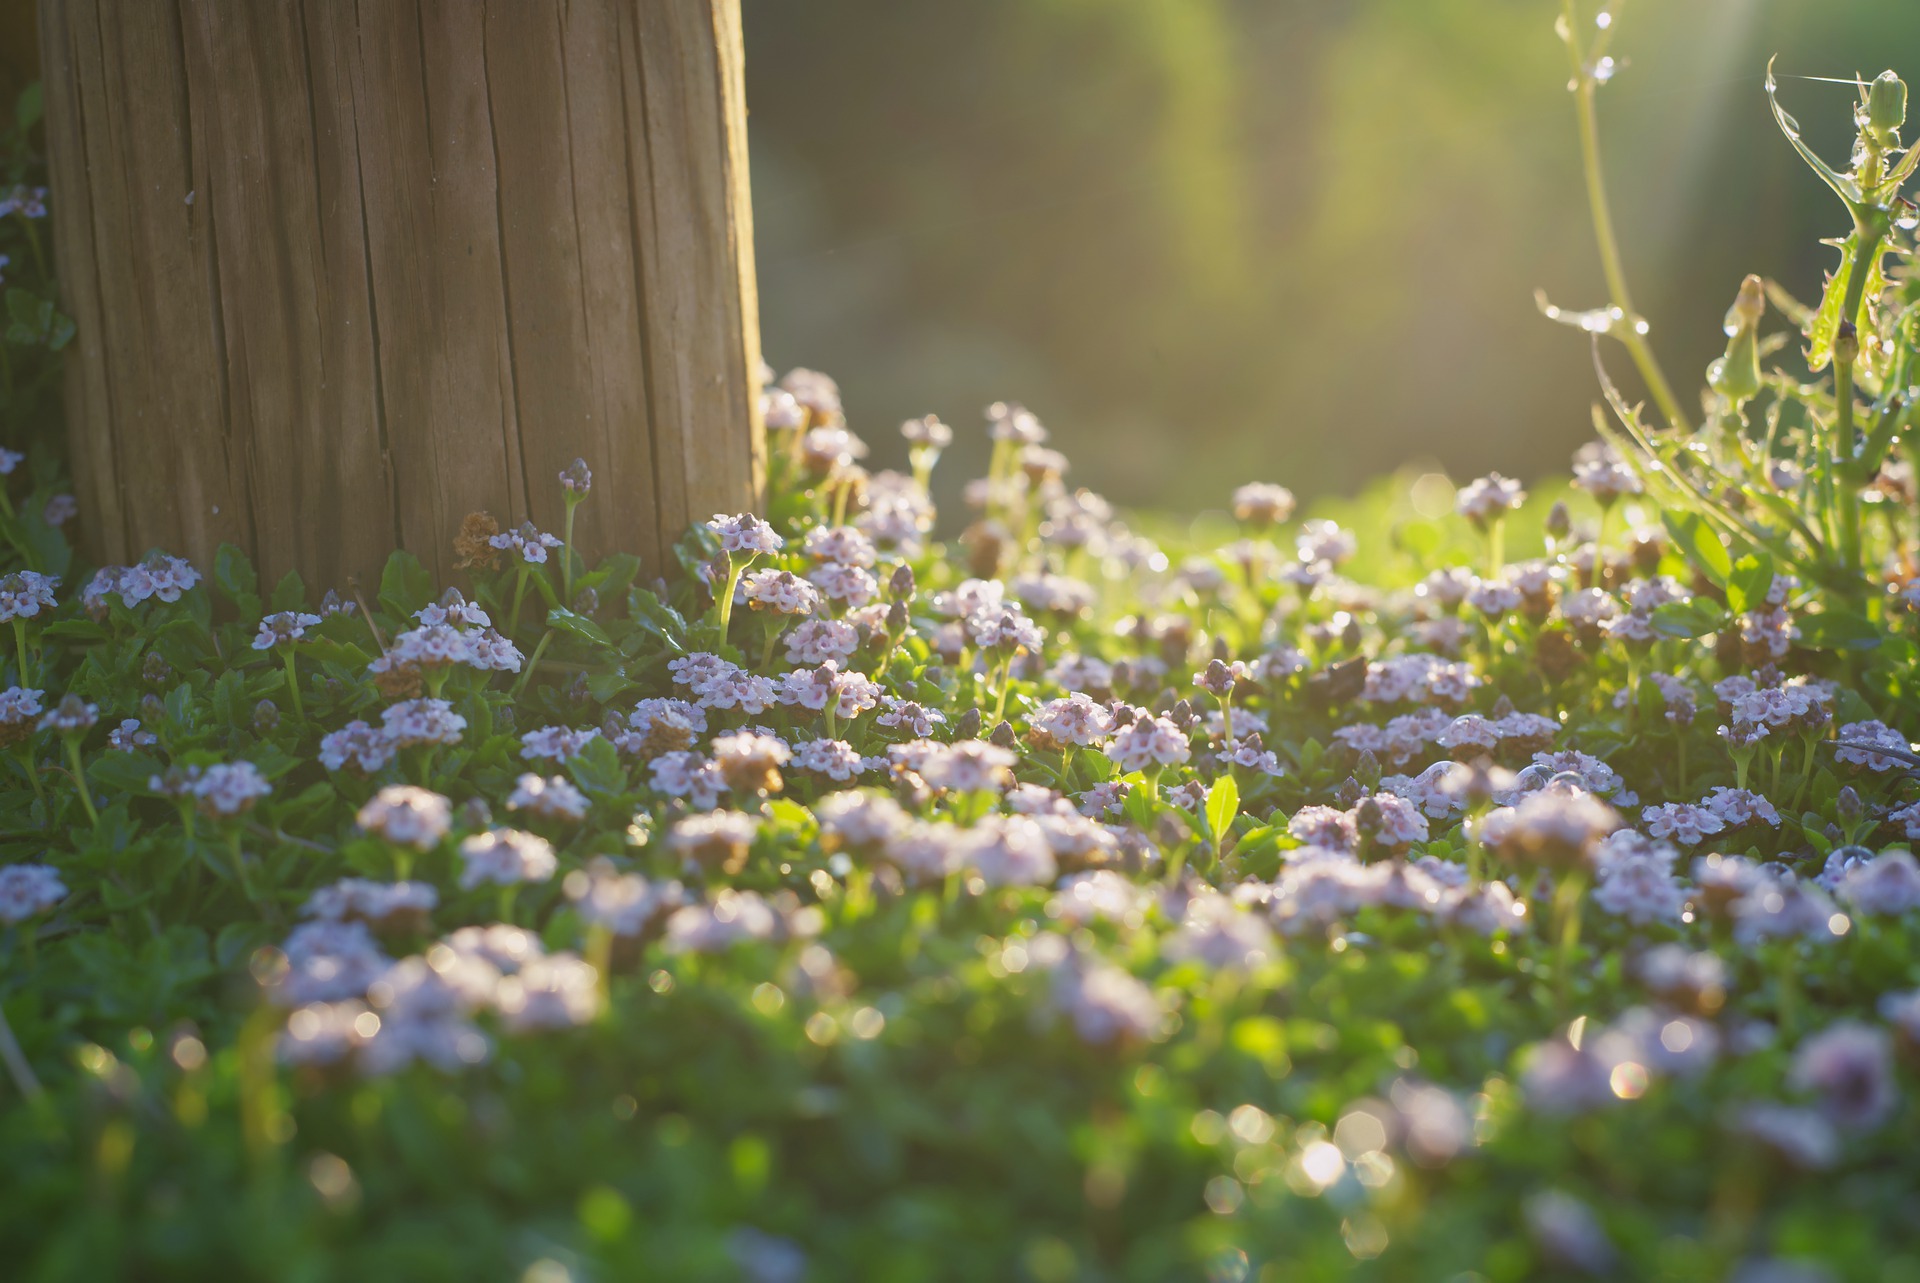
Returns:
(405,585)
(290,593)
(578,625)
(1826,318)
(234,576)
(597,769)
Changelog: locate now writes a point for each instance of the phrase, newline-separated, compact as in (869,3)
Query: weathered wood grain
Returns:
(346,271)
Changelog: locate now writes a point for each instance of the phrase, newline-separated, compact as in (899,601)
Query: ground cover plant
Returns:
(1515,891)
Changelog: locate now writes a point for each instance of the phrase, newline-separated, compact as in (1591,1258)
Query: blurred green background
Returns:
(1293,240)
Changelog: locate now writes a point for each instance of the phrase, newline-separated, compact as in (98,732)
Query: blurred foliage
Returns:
(1206,239)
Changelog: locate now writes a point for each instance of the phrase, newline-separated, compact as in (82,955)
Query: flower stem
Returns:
(17,1067)
(80,778)
(293,683)
(1566,915)
(1584,87)
(566,556)
(20,648)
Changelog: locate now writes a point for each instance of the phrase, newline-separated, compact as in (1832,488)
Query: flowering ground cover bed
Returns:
(1449,886)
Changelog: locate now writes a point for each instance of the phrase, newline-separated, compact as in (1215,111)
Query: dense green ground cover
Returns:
(1451,886)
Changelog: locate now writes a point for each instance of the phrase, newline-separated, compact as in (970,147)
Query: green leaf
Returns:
(1748,585)
(290,593)
(1843,185)
(1223,803)
(28,107)
(1694,537)
(578,625)
(234,576)
(405,585)
(597,769)
(24,307)
(1837,630)
(1694,618)
(123,772)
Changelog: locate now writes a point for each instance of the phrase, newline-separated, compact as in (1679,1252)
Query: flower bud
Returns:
(968,727)
(1217,680)
(1736,375)
(153,709)
(1559,521)
(576,479)
(1848,806)
(156,670)
(1349,793)
(900,584)
(1366,768)
(1846,344)
(1003,736)
(1886,104)
(266,716)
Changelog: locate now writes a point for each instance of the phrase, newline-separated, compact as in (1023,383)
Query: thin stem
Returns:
(533,660)
(1566,913)
(33,771)
(1636,343)
(20,648)
(1837,484)
(293,682)
(566,556)
(519,592)
(1806,774)
(80,778)
(17,1067)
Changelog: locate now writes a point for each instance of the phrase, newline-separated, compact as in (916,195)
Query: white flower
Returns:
(1147,743)
(744,534)
(968,766)
(1106,1005)
(688,775)
(284,627)
(1848,1068)
(229,788)
(357,744)
(1007,850)
(27,890)
(422,721)
(813,642)
(25,593)
(1856,737)
(127,736)
(1262,504)
(530,543)
(779,592)
(553,799)
(835,759)
(1482,500)
(71,716)
(506,857)
(556,743)
(407,816)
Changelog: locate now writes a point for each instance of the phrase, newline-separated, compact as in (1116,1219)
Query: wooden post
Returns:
(345,272)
